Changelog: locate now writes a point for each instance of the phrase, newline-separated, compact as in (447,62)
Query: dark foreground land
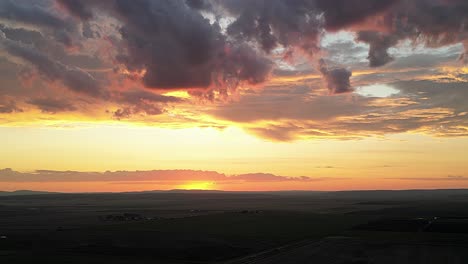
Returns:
(221,227)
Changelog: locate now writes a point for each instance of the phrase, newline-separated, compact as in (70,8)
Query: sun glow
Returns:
(198,186)
(180,94)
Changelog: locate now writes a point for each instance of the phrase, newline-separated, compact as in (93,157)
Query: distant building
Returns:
(124,217)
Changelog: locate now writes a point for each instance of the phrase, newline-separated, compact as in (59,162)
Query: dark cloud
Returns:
(295,24)
(244,64)
(36,14)
(340,14)
(337,79)
(434,23)
(211,47)
(51,105)
(90,30)
(199,4)
(271,23)
(379,43)
(26,36)
(50,48)
(298,24)
(179,48)
(77,8)
(175,47)
(72,77)
(30,13)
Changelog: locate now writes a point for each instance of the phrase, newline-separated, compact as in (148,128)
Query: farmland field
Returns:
(216,227)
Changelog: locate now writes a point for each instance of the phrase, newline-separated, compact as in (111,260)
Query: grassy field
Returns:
(215,227)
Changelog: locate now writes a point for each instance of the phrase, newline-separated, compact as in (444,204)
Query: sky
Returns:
(251,95)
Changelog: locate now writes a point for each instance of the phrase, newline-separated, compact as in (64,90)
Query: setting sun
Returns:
(198,186)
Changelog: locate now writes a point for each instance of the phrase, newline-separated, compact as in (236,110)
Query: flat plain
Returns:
(236,227)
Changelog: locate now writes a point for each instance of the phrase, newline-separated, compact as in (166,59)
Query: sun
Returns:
(198,186)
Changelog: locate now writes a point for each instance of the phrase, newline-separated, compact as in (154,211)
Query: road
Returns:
(269,255)
(330,250)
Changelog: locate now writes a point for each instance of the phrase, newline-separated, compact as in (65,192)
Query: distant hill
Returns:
(23,192)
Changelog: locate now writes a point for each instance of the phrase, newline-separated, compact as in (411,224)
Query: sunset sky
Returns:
(121,95)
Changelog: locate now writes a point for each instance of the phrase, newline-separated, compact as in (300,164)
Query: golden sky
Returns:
(121,96)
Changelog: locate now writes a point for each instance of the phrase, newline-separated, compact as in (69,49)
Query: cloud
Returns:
(464,56)
(422,60)
(39,41)
(141,102)
(379,43)
(74,78)
(123,113)
(340,14)
(276,132)
(77,8)
(345,52)
(299,25)
(173,176)
(9,106)
(268,177)
(337,79)
(434,23)
(29,13)
(291,106)
(38,14)
(136,97)
(435,108)
(276,22)
(240,63)
(144,108)
(51,105)
(175,47)
(295,25)
(186,50)
(199,4)
(184,57)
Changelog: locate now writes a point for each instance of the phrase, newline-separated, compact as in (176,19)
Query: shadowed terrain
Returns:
(234,227)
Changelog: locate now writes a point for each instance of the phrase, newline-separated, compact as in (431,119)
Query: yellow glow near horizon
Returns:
(197,186)
(230,151)
(180,94)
